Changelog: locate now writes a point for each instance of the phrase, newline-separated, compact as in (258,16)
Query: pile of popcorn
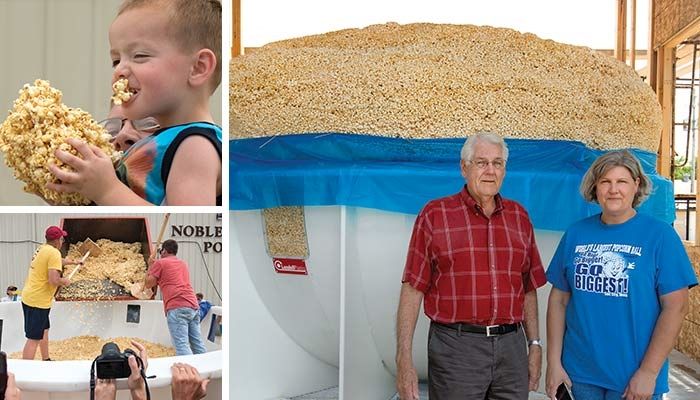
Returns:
(121,263)
(285,232)
(439,81)
(88,347)
(37,126)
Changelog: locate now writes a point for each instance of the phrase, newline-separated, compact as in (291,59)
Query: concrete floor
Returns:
(684,381)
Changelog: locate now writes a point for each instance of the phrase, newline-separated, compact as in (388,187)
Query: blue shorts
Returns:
(585,391)
(36,321)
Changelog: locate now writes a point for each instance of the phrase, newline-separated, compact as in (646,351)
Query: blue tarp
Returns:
(402,175)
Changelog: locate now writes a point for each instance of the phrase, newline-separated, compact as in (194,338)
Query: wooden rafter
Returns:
(236,37)
(633,39)
(621,30)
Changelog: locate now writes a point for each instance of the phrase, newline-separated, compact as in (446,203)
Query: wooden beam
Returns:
(665,91)
(640,53)
(633,38)
(651,53)
(236,37)
(686,67)
(621,30)
(684,51)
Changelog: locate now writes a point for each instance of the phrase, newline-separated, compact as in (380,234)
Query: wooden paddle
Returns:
(91,247)
(82,260)
(137,288)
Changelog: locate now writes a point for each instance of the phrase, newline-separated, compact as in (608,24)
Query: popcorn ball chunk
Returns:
(121,91)
(441,81)
(38,125)
(118,262)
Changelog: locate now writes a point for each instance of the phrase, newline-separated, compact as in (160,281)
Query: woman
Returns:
(620,285)
(125,132)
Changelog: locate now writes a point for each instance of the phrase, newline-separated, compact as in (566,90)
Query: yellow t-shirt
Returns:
(37,291)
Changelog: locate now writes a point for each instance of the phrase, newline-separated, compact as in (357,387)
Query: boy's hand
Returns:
(93,176)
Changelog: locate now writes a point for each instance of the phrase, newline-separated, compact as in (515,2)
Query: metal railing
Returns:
(686,203)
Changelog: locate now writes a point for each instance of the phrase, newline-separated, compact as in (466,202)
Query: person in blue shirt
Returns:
(620,284)
(11,293)
(204,306)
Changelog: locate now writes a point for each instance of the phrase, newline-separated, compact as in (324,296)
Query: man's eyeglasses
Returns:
(498,163)
(115,125)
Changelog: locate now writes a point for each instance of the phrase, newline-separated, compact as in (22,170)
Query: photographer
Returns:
(186,383)
(106,389)
(12,392)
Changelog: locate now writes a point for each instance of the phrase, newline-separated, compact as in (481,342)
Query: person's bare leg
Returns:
(29,350)
(44,345)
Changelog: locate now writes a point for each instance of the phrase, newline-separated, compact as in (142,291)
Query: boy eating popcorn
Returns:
(169,51)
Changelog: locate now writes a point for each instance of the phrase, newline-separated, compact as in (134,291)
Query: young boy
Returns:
(170,52)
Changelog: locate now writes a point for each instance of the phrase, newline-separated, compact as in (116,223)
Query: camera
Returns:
(112,363)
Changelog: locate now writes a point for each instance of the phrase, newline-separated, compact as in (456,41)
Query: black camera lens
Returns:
(110,349)
(112,363)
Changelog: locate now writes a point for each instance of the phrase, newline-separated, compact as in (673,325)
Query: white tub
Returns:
(343,313)
(41,380)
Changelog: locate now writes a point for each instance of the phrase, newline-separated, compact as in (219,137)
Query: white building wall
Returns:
(66,42)
(18,231)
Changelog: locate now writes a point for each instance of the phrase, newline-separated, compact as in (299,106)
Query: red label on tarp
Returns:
(289,266)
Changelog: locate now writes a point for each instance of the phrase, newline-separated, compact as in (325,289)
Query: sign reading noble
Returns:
(289,266)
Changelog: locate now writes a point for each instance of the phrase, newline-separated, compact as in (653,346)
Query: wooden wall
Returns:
(689,339)
(672,16)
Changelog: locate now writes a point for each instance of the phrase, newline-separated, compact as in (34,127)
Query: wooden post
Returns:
(633,38)
(236,49)
(651,52)
(665,91)
(621,30)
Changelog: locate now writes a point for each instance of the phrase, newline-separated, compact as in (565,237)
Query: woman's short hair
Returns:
(617,158)
(468,147)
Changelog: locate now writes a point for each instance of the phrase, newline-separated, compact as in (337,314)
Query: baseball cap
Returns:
(54,232)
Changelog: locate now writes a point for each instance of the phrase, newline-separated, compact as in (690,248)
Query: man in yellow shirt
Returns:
(37,295)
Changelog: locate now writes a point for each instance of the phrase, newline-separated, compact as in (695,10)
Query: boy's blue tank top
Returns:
(146,165)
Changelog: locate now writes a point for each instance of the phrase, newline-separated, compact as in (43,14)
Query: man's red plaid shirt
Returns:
(471,268)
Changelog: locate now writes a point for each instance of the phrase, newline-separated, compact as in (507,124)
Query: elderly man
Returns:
(474,262)
(37,295)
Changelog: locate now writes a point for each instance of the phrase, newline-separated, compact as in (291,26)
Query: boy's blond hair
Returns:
(195,24)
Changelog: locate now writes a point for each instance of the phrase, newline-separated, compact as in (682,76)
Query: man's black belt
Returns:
(490,330)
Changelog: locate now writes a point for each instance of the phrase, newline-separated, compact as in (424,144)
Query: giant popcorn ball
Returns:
(439,81)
